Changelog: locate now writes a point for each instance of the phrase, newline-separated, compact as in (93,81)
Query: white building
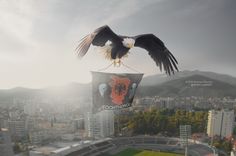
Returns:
(5,143)
(17,129)
(232,153)
(220,123)
(100,125)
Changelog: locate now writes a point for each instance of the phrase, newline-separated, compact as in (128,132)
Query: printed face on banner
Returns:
(114,91)
(119,89)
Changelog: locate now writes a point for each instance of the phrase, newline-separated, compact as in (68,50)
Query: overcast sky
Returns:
(38,38)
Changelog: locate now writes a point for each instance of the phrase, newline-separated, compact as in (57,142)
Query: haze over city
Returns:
(38,38)
(59,95)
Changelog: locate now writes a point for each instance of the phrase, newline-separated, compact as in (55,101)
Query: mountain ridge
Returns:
(166,86)
(195,85)
(161,78)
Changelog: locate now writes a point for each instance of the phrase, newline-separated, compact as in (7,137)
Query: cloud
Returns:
(38,37)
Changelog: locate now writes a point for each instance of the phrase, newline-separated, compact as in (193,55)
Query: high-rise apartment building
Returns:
(100,125)
(220,123)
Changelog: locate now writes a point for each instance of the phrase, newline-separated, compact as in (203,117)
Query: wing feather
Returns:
(98,38)
(158,52)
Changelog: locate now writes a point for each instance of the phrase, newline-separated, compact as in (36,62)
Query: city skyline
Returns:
(38,38)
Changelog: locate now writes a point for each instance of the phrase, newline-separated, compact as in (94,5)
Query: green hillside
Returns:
(196,85)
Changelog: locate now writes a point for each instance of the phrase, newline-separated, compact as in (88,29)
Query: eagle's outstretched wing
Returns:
(98,38)
(157,50)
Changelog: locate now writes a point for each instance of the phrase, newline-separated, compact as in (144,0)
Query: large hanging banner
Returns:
(113,90)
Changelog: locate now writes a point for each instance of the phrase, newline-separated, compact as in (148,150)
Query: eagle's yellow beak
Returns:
(130,45)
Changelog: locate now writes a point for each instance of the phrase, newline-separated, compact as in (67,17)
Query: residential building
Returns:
(220,123)
(100,125)
(17,129)
(5,143)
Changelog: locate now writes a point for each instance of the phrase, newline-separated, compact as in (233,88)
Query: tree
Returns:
(156,121)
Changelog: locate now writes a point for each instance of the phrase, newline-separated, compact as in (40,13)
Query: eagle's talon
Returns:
(117,62)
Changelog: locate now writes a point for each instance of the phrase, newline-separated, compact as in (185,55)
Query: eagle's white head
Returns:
(128,42)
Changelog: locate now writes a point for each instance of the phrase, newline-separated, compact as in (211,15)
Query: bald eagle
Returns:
(120,45)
